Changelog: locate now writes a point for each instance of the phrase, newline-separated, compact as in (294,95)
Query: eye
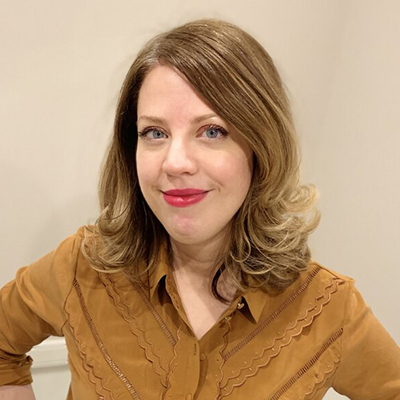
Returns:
(152,133)
(214,132)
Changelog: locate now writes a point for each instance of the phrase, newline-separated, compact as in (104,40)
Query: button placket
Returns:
(213,359)
(181,382)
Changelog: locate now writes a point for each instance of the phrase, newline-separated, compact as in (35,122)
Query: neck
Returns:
(194,265)
(198,260)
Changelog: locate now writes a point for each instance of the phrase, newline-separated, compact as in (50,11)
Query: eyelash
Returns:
(222,130)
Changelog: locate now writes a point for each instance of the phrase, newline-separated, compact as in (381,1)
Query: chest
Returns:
(146,350)
(201,309)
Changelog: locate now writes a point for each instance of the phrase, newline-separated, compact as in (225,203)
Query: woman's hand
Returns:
(17,393)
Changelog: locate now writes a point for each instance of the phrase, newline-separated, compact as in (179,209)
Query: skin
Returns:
(16,393)
(184,144)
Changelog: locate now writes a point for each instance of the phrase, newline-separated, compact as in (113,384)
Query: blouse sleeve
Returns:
(370,362)
(31,309)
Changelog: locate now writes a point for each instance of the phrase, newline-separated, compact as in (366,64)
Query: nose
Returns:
(179,158)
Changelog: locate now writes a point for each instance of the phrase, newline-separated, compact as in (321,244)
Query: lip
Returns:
(184,192)
(184,197)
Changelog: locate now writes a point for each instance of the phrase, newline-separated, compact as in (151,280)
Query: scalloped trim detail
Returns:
(171,370)
(96,380)
(157,317)
(102,348)
(318,383)
(307,366)
(222,358)
(284,340)
(275,314)
(148,347)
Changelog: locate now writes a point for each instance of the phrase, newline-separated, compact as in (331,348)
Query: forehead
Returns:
(166,91)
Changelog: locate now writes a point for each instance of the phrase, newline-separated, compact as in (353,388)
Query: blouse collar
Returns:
(254,299)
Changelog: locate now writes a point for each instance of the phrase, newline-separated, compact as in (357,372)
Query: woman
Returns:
(197,282)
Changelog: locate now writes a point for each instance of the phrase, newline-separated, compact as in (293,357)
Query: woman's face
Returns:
(193,168)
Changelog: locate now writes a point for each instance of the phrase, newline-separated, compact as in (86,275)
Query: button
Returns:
(240,305)
(202,356)
(228,317)
(189,397)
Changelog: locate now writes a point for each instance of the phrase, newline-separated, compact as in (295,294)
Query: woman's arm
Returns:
(31,309)
(370,362)
(17,393)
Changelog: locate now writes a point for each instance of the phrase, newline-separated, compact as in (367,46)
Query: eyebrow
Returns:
(157,120)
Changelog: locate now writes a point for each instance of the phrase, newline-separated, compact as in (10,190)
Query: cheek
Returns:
(234,172)
(147,167)
(144,171)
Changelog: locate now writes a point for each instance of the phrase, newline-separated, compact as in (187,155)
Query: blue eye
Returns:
(215,132)
(152,133)
(156,134)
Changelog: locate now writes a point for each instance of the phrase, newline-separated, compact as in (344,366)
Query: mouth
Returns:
(184,197)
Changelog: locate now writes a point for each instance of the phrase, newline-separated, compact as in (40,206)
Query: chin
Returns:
(185,237)
(182,227)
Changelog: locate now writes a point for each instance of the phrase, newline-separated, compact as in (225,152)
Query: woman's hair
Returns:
(234,74)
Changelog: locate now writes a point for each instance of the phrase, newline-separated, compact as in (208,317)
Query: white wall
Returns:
(62,64)
(353,157)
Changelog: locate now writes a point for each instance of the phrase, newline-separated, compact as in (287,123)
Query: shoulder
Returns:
(320,278)
(327,278)
(318,292)
(69,251)
(56,270)
(42,287)
(329,272)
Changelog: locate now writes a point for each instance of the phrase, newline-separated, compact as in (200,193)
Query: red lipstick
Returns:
(184,197)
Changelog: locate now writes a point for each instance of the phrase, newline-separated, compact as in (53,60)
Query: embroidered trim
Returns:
(284,340)
(171,369)
(320,383)
(156,315)
(222,362)
(93,378)
(307,366)
(272,316)
(147,346)
(135,395)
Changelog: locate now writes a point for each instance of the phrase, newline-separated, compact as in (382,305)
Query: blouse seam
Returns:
(345,317)
(222,359)
(101,345)
(70,291)
(285,339)
(273,315)
(171,363)
(88,368)
(319,384)
(306,367)
(161,323)
(129,317)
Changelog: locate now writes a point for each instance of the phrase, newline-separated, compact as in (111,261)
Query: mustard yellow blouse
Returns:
(129,342)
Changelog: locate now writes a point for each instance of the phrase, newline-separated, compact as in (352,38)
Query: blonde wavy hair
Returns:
(234,74)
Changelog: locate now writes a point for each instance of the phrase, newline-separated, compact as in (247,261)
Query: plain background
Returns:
(62,65)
